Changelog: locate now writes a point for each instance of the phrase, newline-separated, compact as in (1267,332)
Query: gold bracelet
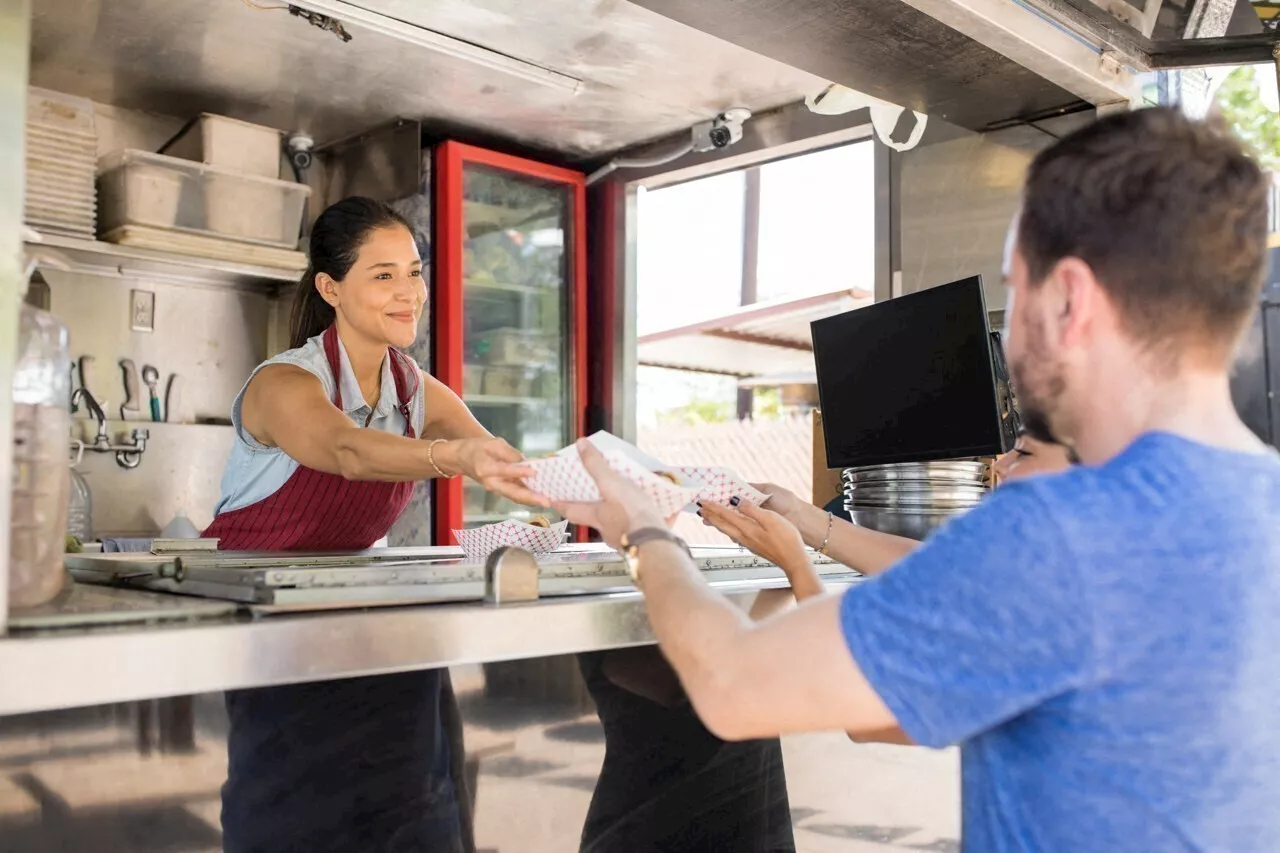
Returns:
(831,520)
(431,457)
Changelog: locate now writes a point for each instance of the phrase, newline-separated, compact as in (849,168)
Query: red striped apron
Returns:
(360,764)
(315,511)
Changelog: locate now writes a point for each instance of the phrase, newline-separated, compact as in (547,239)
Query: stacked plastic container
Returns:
(214,192)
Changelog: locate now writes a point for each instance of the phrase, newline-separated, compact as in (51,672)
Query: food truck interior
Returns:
(160,164)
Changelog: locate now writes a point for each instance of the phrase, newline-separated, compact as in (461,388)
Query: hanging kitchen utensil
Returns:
(75,383)
(130,409)
(173,399)
(151,377)
(85,367)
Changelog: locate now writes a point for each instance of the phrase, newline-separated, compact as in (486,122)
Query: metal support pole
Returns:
(15,42)
(750,266)
(888,222)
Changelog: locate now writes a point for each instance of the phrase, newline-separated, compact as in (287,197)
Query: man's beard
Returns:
(1038,382)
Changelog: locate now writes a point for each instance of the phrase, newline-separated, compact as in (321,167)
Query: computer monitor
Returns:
(909,380)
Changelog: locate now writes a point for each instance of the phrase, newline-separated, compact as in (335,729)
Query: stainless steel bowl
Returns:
(941,478)
(926,497)
(913,525)
(942,467)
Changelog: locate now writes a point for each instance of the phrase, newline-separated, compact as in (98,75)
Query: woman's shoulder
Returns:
(310,357)
(311,352)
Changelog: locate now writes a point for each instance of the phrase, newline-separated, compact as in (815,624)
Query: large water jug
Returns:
(41,463)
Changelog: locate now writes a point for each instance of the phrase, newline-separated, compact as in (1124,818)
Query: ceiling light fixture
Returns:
(358,17)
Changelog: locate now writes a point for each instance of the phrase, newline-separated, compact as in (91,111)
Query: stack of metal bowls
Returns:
(912,498)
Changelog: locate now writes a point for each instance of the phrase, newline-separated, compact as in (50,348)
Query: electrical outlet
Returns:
(142,310)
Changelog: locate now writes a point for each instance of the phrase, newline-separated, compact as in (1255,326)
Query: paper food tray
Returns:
(479,542)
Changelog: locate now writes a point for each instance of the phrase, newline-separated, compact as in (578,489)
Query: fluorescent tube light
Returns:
(394,28)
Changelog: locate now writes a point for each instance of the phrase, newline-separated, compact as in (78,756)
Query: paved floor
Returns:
(81,783)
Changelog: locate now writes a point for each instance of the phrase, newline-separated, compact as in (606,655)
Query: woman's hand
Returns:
(622,507)
(810,520)
(760,531)
(494,464)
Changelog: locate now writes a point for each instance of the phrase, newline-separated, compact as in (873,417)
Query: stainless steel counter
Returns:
(51,669)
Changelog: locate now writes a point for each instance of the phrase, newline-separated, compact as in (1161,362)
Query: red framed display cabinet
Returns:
(510,313)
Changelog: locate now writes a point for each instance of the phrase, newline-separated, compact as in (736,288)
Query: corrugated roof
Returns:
(756,340)
(774,451)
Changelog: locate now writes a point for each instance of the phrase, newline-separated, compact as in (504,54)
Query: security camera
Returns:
(300,146)
(721,132)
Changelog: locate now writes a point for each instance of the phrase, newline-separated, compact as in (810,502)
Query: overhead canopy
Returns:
(565,76)
(980,63)
(770,340)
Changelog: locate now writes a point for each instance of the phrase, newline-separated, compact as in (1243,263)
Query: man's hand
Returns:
(762,532)
(494,464)
(622,509)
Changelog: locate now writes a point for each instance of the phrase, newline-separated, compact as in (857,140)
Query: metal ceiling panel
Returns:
(642,75)
(885,48)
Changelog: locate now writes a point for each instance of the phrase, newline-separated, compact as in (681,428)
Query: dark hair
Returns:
(336,239)
(1169,213)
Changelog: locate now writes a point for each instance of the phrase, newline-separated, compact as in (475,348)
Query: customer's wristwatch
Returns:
(631,543)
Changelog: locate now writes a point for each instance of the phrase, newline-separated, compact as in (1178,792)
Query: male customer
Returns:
(1103,644)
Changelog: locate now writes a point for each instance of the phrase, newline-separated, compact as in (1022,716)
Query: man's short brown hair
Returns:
(1169,213)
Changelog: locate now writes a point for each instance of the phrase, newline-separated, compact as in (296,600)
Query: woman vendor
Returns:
(331,437)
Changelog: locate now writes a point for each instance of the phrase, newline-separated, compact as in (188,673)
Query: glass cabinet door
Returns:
(509,313)
(516,319)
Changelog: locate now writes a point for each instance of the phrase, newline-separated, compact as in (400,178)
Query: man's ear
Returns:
(1078,295)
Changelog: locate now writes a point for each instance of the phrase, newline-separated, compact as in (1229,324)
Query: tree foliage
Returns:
(1245,112)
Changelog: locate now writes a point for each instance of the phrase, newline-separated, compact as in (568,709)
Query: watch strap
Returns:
(633,540)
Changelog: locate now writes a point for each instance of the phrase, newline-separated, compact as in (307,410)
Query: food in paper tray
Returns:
(540,521)
(565,478)
(562,477)
(479,542)
(717,485)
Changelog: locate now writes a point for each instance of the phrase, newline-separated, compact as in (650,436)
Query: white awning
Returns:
(754,341)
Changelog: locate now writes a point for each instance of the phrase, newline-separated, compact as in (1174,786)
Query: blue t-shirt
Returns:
(1104,645)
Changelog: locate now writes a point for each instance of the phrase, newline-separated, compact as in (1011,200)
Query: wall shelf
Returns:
(93,257)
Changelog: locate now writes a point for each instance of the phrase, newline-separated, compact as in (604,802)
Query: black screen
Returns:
(909,380)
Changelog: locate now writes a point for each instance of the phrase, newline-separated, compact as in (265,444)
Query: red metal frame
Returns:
(447,295)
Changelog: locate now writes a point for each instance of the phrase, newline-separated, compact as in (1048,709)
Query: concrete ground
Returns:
(84,785)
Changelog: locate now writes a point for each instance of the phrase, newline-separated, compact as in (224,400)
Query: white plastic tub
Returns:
(141,188)
(230,144)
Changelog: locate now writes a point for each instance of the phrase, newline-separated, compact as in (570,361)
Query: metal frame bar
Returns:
(790,131)
(1142,54)
(15,42)
(888,222)
(1037,42)
(750,290)
(1209,19)
(95,667)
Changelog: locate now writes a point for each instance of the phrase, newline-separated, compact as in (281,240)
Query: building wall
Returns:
(957,198)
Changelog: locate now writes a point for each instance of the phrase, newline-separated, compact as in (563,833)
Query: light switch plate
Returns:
(142,310)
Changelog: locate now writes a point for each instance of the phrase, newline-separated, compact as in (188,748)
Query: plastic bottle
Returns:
(80,510)
(41,465)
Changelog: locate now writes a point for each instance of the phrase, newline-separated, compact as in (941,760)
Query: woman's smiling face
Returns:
(383,294)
